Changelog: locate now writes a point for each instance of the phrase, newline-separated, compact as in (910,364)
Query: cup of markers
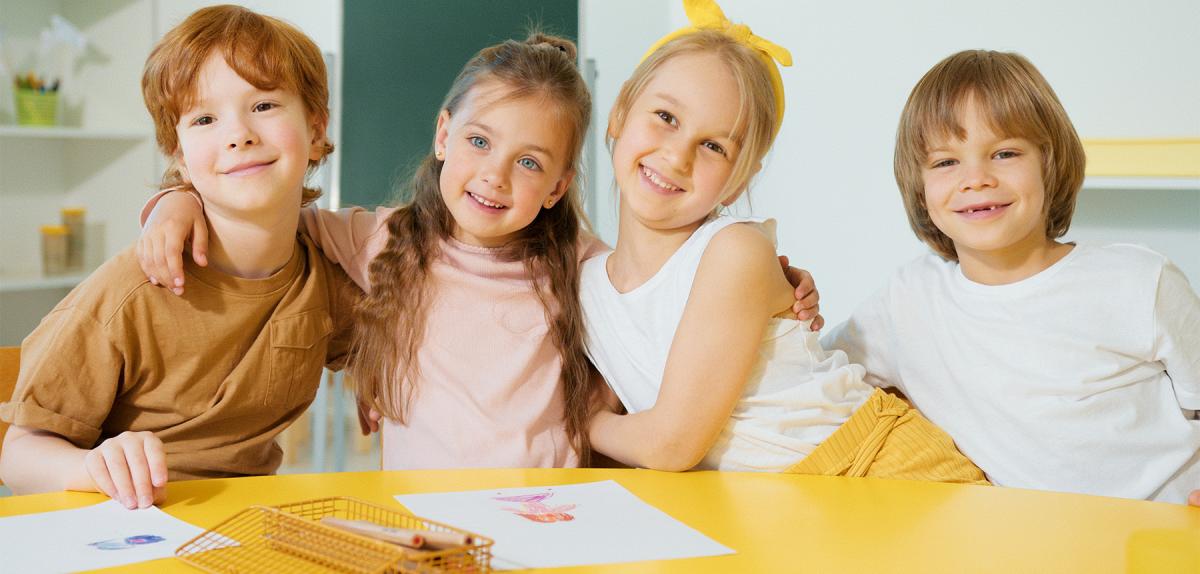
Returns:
(36,100)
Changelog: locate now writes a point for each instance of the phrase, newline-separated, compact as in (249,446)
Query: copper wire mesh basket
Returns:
(290,538)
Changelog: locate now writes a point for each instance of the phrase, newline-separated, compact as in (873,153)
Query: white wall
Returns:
(321,20)
(1122,69)
(615,34)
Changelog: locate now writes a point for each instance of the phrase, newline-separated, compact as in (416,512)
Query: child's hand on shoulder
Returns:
(130,468)
(808,300)
(176,217)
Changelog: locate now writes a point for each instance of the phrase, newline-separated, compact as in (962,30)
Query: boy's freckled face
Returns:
(674,154)
(245,150)
(504,159)
(985,192)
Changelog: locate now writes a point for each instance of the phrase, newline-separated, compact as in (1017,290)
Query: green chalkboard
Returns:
(400,58)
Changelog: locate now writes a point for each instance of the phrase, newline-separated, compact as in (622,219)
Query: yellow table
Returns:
(776,523)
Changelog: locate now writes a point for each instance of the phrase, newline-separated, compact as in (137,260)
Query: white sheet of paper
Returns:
(89,537)
(606,524)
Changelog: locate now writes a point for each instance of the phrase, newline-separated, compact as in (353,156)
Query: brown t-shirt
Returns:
(215,374)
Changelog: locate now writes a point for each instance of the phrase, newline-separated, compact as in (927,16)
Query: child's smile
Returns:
(248,168)
(675,152)
(659,183)
(986,193)
(488,206)
(245,148)
(984,211)
(504,160)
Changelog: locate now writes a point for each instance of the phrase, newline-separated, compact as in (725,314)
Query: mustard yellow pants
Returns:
(887,438)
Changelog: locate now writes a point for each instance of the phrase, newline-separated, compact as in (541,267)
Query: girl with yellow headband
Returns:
(688,318)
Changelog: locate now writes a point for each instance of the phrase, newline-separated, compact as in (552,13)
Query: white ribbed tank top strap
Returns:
(629,334)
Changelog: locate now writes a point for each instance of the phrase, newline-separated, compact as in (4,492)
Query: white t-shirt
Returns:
(1080,378)
(795,397)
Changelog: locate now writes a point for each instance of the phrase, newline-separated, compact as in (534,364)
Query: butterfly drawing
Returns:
(534,508)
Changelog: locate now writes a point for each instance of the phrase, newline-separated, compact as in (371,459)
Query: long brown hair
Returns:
(390,321)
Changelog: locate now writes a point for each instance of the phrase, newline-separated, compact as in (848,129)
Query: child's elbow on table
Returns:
(672,452)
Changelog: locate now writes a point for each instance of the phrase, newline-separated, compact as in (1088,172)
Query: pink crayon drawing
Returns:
(535,510)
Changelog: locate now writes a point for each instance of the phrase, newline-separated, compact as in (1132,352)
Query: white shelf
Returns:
(1142,183)
(66,133)
(34,282)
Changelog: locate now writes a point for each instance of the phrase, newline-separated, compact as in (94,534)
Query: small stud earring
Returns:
(438,154)
(549,203)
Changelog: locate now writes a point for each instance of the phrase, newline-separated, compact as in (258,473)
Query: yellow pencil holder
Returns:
(36,108)
(291,538)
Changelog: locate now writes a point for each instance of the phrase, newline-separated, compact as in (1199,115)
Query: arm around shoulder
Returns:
(349,237)
(169,219)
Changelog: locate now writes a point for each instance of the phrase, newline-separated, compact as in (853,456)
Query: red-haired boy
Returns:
(123,385)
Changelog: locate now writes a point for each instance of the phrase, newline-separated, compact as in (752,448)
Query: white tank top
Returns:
(796,395)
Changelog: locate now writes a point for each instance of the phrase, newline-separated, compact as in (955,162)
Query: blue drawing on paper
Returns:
(127,542)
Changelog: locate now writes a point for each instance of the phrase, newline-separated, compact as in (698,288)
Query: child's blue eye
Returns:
(263,106)
(1006,154)
(478,142)
(714,146)
(528,163)
(667,117)
(203,121)
(943,163)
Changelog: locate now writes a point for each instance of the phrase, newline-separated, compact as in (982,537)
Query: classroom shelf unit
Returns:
(1142,183)
(71,133)
(1143,164)
(100,156)
(35,282)
(1165,158)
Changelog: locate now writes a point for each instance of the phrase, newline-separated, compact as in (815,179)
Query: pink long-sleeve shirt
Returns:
(488,394)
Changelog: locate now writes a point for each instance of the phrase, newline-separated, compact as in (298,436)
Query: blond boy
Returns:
(1056,366)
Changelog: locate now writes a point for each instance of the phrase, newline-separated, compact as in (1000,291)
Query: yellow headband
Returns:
(706,15)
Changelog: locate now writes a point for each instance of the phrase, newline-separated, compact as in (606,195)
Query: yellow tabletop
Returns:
(775,522)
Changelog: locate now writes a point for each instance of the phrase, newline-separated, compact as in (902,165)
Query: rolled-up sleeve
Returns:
(70,375)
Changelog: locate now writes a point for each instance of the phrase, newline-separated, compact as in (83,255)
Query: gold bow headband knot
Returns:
(707,15)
